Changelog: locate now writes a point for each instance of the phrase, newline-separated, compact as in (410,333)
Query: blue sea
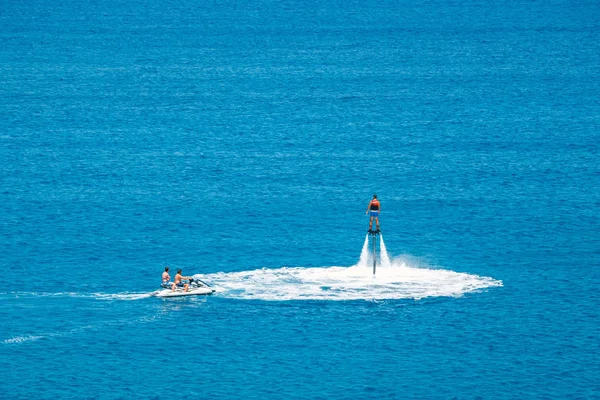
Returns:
(241,141)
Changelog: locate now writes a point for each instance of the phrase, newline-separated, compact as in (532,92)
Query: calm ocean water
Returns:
(242,141)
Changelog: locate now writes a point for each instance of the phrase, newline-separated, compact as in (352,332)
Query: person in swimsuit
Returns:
(374,209)
(179,281)
(166,278)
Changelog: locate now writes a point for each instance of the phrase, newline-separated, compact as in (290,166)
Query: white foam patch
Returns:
(397,280)
(43,294)
(99,296)
(21,339)
(101,324)
(122,296)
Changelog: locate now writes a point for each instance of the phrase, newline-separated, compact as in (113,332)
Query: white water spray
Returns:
(400,280)
(345,283)
(396,279)
(383,254)
(364,254)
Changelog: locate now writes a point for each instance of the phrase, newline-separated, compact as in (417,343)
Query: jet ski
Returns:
(197,287)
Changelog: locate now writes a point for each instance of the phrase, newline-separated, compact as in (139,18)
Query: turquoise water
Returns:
(242,141)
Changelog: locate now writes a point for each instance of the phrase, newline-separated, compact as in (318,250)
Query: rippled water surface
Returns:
(241,141)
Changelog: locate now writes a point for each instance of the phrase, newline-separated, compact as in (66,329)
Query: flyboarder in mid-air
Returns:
(373,210)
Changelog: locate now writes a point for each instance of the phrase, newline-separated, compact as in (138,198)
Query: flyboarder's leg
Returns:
(377,222)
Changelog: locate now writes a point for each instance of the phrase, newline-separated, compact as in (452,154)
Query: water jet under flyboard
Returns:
(370,254)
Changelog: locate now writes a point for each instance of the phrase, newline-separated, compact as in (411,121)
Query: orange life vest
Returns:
(374,204)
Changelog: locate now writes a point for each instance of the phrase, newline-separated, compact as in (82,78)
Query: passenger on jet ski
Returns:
(166,278)
(179,281)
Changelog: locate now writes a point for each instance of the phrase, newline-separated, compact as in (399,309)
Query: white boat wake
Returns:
(397,281)
(400,278)
(394,279)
